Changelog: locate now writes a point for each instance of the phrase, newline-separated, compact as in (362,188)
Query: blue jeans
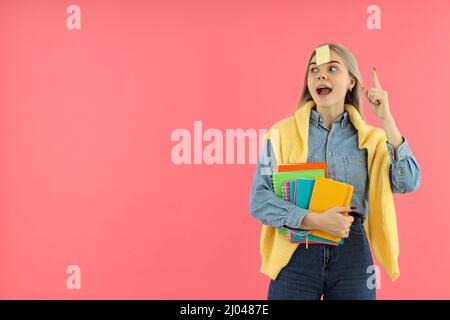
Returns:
(341,272)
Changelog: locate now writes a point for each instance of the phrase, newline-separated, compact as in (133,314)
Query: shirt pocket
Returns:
(356,172)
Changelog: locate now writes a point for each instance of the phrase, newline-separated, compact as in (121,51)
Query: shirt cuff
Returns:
(296,216)
(403,150)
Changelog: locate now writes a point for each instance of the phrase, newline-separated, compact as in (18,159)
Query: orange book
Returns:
(301,166)
(329,193)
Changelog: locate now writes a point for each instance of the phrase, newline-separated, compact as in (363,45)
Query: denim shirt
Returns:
(338,147)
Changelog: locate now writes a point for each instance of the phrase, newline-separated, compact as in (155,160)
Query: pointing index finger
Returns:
(376,83)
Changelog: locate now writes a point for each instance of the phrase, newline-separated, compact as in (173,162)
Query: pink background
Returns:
(86,117)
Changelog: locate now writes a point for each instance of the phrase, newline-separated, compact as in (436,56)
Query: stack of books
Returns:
(306,185)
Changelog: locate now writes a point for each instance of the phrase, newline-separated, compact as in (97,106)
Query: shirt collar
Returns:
(316,118)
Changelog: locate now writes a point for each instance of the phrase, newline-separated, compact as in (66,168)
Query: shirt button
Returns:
(329,153)
(398,171)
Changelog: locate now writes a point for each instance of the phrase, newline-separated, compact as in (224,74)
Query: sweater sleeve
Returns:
(265,205)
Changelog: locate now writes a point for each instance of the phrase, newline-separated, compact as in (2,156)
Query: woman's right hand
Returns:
(331,221)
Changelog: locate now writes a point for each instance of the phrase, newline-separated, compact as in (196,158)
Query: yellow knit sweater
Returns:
(289,138)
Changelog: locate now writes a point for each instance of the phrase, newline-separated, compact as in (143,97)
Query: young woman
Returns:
(331,98)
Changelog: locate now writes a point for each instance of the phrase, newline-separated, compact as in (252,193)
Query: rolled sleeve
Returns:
(297,215)
(405,171)
(265,205)
(403,150)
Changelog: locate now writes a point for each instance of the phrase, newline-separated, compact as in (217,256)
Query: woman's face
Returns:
(333,75)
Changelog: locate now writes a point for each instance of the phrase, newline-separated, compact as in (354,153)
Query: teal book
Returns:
(291,190)
(303,191)
(278,179)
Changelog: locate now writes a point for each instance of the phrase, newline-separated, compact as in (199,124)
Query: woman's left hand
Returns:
(378,99)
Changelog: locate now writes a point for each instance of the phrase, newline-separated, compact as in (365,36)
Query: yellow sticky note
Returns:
(322,54)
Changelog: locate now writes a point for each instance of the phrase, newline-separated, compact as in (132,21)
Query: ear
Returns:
(352,82)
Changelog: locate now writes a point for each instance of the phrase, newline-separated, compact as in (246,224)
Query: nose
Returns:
(320,75)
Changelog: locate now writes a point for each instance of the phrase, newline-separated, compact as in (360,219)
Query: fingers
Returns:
(368,94)
(364,90)
(374,95)
(375,81)
(345,233)
(343,209)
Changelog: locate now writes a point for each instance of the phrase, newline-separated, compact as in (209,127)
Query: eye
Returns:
(313,69)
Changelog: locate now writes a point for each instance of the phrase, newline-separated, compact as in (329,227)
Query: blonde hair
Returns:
(352,97)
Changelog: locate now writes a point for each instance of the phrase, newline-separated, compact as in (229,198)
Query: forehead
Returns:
(333,56)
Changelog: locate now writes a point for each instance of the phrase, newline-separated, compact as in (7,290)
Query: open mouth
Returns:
(323,92)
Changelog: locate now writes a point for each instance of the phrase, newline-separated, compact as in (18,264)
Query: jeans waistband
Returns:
(358,217)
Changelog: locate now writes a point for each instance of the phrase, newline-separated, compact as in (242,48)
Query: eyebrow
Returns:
(327,62)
